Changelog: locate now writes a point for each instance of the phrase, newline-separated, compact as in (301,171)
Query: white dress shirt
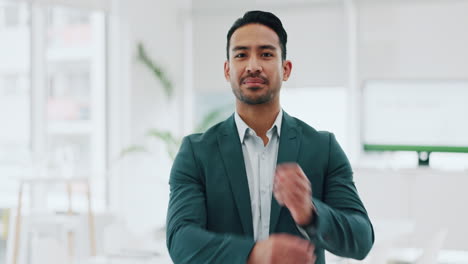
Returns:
(260,165)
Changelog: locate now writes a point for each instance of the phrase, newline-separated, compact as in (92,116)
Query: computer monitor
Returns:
(420,115)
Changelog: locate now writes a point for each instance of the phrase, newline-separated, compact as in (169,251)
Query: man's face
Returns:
(255,69)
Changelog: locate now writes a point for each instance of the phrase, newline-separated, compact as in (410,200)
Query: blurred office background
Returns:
(96,94)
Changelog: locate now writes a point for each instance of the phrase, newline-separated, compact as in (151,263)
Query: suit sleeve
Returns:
(341,224)
(188,240)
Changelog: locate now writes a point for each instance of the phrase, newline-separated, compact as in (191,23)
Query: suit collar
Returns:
(231,151)
(229,126)
(288,151)
(242,127)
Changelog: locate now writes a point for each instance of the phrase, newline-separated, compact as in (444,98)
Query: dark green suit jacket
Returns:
(209,218)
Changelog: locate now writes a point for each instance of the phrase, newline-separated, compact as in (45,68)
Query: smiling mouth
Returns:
(254,86)
(254,81)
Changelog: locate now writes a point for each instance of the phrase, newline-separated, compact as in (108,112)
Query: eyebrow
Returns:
(262,47)
(268,47)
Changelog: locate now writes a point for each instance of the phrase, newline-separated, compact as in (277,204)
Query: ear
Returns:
(287,67)
(227,74)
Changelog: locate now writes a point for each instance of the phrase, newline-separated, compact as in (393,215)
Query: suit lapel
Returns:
(232,156)
(288,151)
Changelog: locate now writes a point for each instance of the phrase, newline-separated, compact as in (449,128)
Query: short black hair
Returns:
(264,18)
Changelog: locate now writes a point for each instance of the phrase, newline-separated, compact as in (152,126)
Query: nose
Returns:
(254,65)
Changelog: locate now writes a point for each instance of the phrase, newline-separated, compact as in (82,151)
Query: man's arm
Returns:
(188,241)
(338,223)
(342,225)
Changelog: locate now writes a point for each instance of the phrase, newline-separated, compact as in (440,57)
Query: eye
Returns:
(240,55)
(267,54)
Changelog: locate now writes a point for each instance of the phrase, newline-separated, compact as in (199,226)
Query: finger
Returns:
(286,168)
(310,257)
(311,247)
(291,176)
(282,174)
(296,185)
(277,192)
(293,167)
(303,252)
(297,191)
(284,198)
(293,248)
(293,193)
(310,254)
(314,259)
(278,197)
(294,198)
(292,202)
(299,171)
(283,183)
(286,165)
(286,174)
(289,165)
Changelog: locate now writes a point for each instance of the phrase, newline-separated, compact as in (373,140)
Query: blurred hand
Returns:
(293,190)
(282,249)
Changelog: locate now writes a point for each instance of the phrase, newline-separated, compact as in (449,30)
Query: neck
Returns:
(259,117)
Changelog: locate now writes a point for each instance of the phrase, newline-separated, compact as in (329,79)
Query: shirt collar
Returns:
(242,127)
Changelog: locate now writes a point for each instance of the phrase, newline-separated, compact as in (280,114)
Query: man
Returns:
(262,186)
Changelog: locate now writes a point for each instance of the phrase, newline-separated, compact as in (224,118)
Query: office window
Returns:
(52,96)
(15,91)
(11,15)
(75,90)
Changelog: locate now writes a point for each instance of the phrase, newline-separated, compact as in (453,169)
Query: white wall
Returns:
(316,44)
(413,39)
(141,191)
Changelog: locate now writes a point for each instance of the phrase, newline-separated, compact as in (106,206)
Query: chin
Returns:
(255,100)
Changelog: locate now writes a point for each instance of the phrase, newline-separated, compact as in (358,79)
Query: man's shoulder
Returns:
(309,131)
(210,135)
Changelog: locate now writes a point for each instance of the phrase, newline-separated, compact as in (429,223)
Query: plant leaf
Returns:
(165,136)
(172,143)
(156,70)
(132,149)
